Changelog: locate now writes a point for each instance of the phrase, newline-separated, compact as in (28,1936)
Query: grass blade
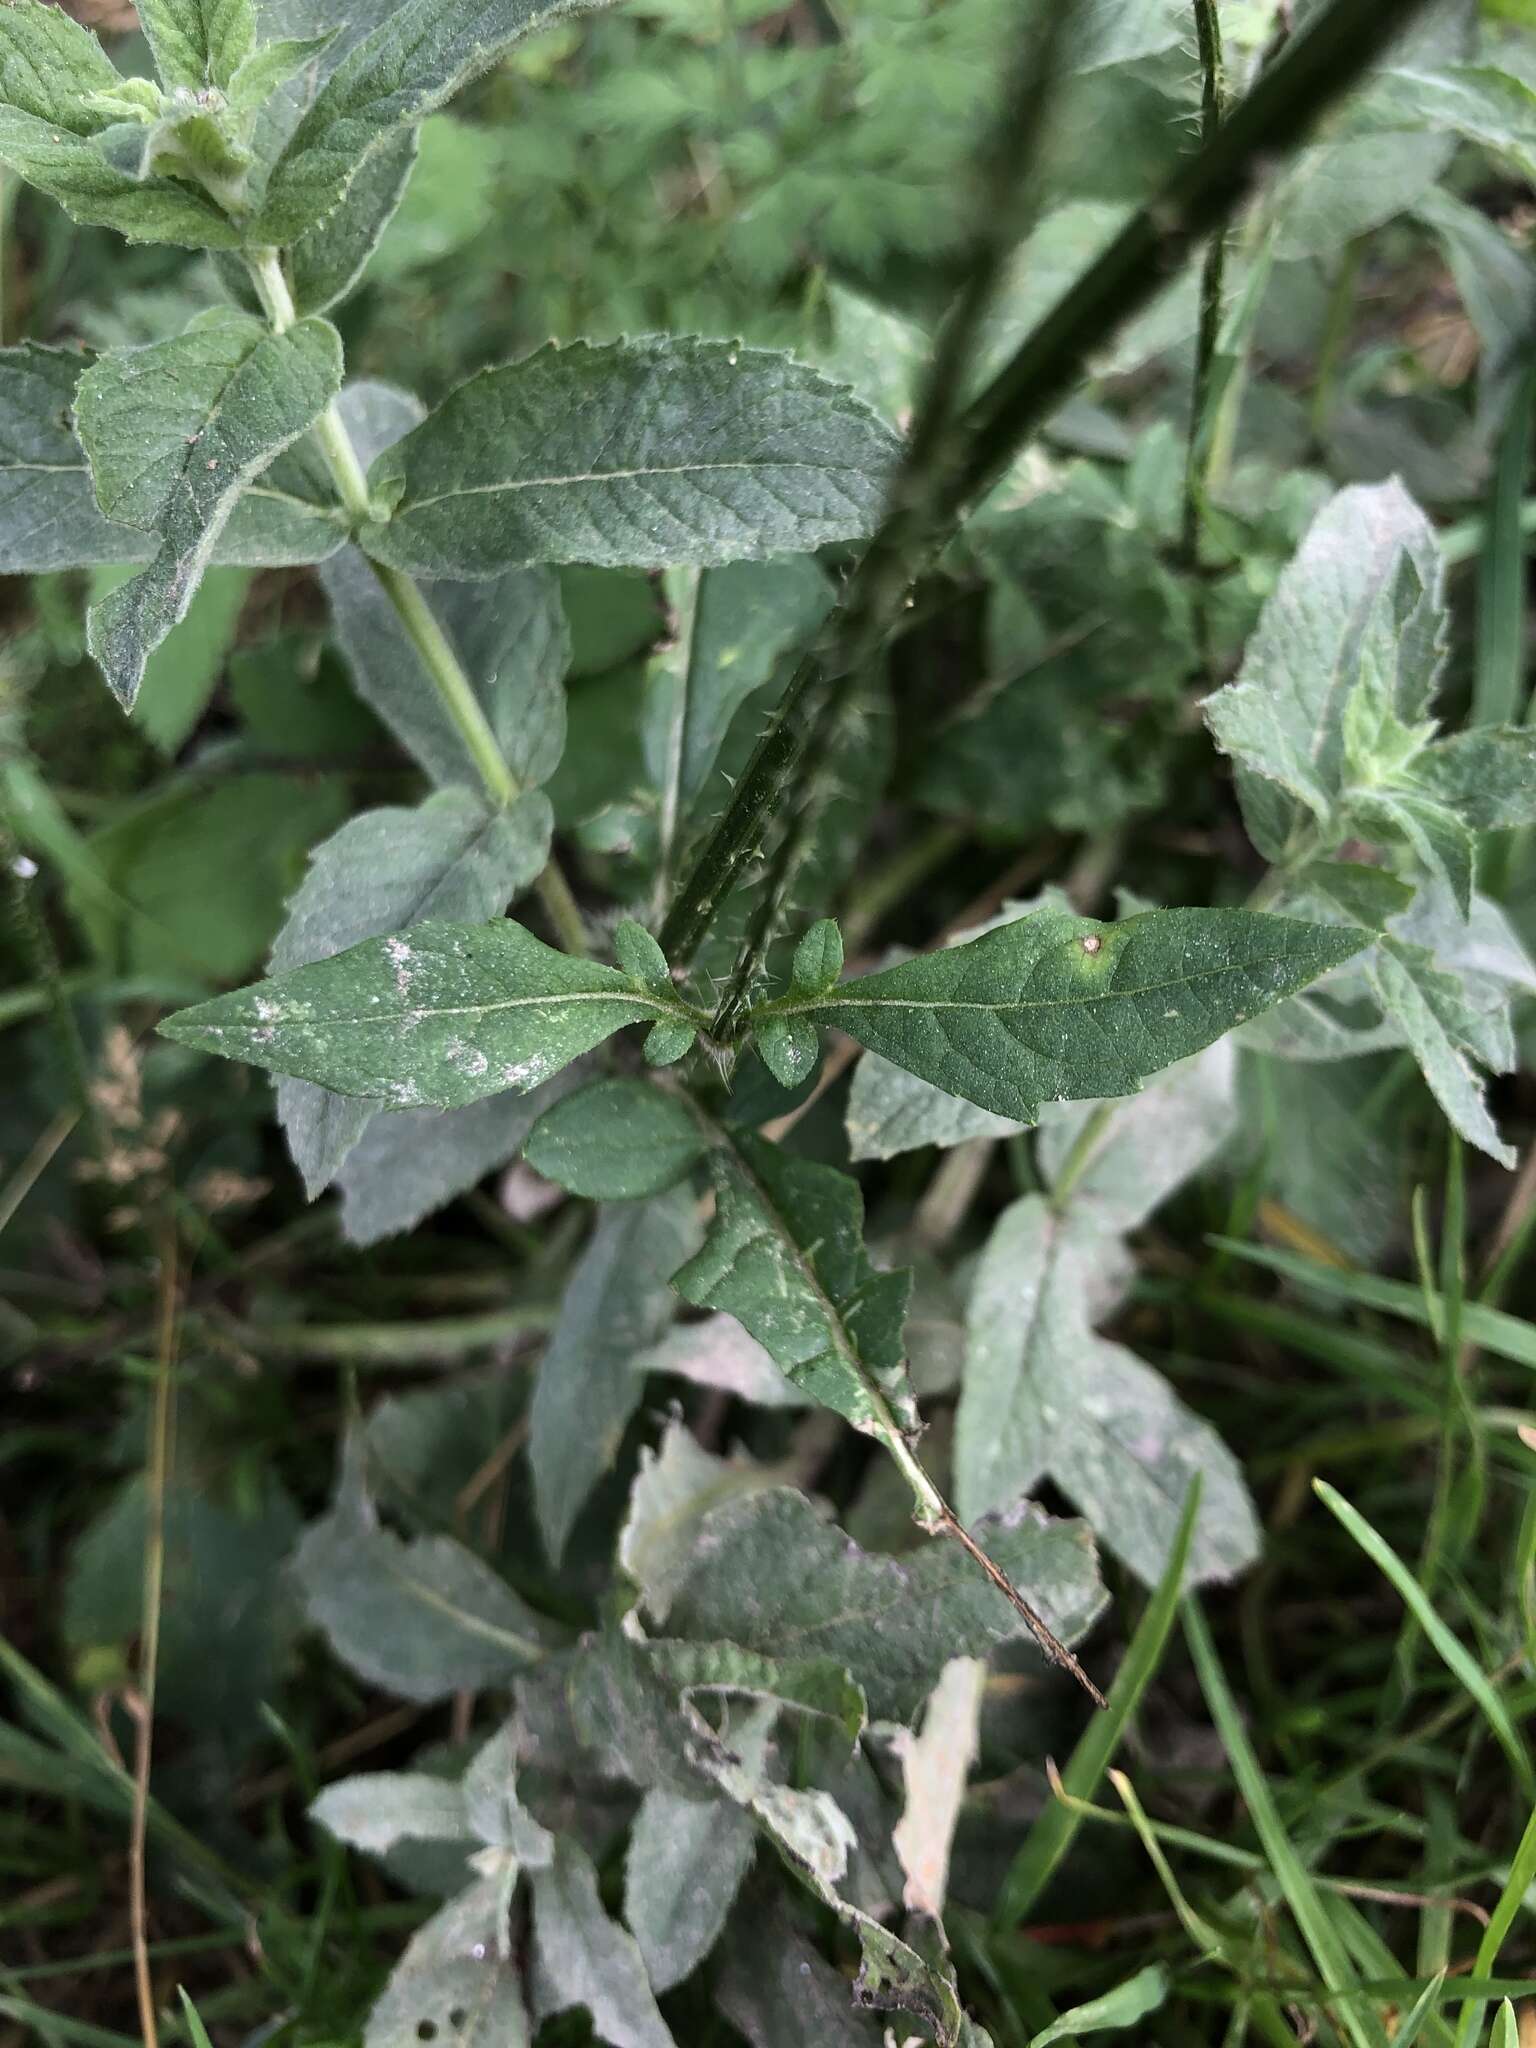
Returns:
(1052,1834)
(1490,1328)
(1450,1649)
(1364,2029)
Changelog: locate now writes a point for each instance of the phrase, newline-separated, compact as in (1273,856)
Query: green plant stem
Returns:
(1499,675)
(1316,69)
(1212,277)
(443,667)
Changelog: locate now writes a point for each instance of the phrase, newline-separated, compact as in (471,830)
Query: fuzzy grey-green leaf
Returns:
(450,857)
(648,453)
(174,433)
(1060,1008)
(769,1573)
(441,1017)
(198,43)
(616,1306)
(420,54)
(581,1957)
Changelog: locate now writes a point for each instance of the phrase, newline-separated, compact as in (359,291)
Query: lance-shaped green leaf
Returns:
(1446,1036)
(617,1304)
(51,71)
(581,1957)
(326,265)
(198,43)
(451,857)
(1060,1008)
(771,1574)
(616,1140)
(174,433)
(415,60)
(423,1618)
(442,1016)
(647,454)
(459,1978)
(683,1868)
(785,1255)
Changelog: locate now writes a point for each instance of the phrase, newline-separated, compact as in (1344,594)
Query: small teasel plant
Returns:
(442,999)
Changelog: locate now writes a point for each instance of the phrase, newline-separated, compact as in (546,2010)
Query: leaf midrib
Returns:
(607,476)
(836,1000)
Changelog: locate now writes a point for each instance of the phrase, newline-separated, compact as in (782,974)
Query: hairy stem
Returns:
(444,669)
(1314,71)
(1212,278)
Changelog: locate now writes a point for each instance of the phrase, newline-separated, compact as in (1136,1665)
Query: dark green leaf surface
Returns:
(442,1017)
(414,61)
(616,1140)
(174,433)
(785,1255)
(644,454)
(1060,1008)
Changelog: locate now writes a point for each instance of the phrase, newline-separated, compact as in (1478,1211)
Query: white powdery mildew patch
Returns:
(400,958)
(467,1058)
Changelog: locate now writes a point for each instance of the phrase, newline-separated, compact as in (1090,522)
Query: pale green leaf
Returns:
(1060,1008)
(422,1619)
(1444,1036)
(185,670)
(647,453)
(675,1487)
(459,1978)
(198,43)
(785,1255)
(409,1163)
(616,1140)
(450,857)
(1283,719)
(375,1810)
(415,60)
(174,433)
(891,1111)
(581,1957)
(442,1017)
(684,1866)
(1043,1396)
(616,1304)
(1487,775)
(1128,1156)
(769,1573)
(493,1807)
(880,352)
(718,1352)
(1125,2006)
(511,639)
